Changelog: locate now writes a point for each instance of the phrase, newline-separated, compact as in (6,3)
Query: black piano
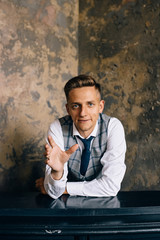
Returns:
(31,215)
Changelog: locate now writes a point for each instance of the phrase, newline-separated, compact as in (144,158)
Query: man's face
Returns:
(84,106)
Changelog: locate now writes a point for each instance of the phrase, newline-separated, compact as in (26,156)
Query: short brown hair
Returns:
(81,81)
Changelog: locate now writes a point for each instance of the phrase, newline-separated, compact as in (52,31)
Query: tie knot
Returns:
(87,141)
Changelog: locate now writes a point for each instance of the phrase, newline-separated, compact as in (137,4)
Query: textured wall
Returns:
(38,52)
(119,44)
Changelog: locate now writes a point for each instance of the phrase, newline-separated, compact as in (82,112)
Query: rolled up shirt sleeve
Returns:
(108,182)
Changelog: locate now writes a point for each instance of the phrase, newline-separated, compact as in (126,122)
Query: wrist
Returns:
(56,175)
(65,192)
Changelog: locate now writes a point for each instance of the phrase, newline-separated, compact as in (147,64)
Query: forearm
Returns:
(102,187)
(54,188)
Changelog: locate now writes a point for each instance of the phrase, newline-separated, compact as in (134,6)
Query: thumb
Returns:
(72,149)
(51,141)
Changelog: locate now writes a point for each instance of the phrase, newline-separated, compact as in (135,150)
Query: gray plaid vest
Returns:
(98,148)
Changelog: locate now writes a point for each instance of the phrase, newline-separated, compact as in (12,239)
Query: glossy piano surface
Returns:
(31,215)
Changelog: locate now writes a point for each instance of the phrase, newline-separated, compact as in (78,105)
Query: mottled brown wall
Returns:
(119,44)
(38,53)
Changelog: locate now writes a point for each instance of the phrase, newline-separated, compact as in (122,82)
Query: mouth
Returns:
(83,120)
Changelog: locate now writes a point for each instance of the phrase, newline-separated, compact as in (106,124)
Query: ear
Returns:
(67,108)
(101,106)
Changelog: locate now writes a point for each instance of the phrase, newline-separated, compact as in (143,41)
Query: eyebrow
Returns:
(91,101)
(72,103)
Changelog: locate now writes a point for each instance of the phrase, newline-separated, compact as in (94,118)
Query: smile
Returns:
(83,121)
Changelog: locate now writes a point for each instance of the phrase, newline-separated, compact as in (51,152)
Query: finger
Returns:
(43,191)
(51,141)
(39,180)
(37,184)
(72,149)
(45,154)
(47,161)
(47,147)
(48,150)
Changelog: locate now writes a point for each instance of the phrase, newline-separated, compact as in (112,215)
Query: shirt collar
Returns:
(93,133)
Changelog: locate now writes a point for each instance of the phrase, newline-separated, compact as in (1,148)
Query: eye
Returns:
(90,104)
(75,106)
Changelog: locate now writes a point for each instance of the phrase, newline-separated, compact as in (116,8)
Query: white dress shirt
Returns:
(108,183)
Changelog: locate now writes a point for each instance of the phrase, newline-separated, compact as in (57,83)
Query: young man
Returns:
(68,171)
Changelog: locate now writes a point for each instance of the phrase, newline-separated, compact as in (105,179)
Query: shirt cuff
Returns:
(59,182)
(75,188)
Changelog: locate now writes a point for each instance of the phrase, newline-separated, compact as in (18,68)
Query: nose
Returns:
(83,111)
